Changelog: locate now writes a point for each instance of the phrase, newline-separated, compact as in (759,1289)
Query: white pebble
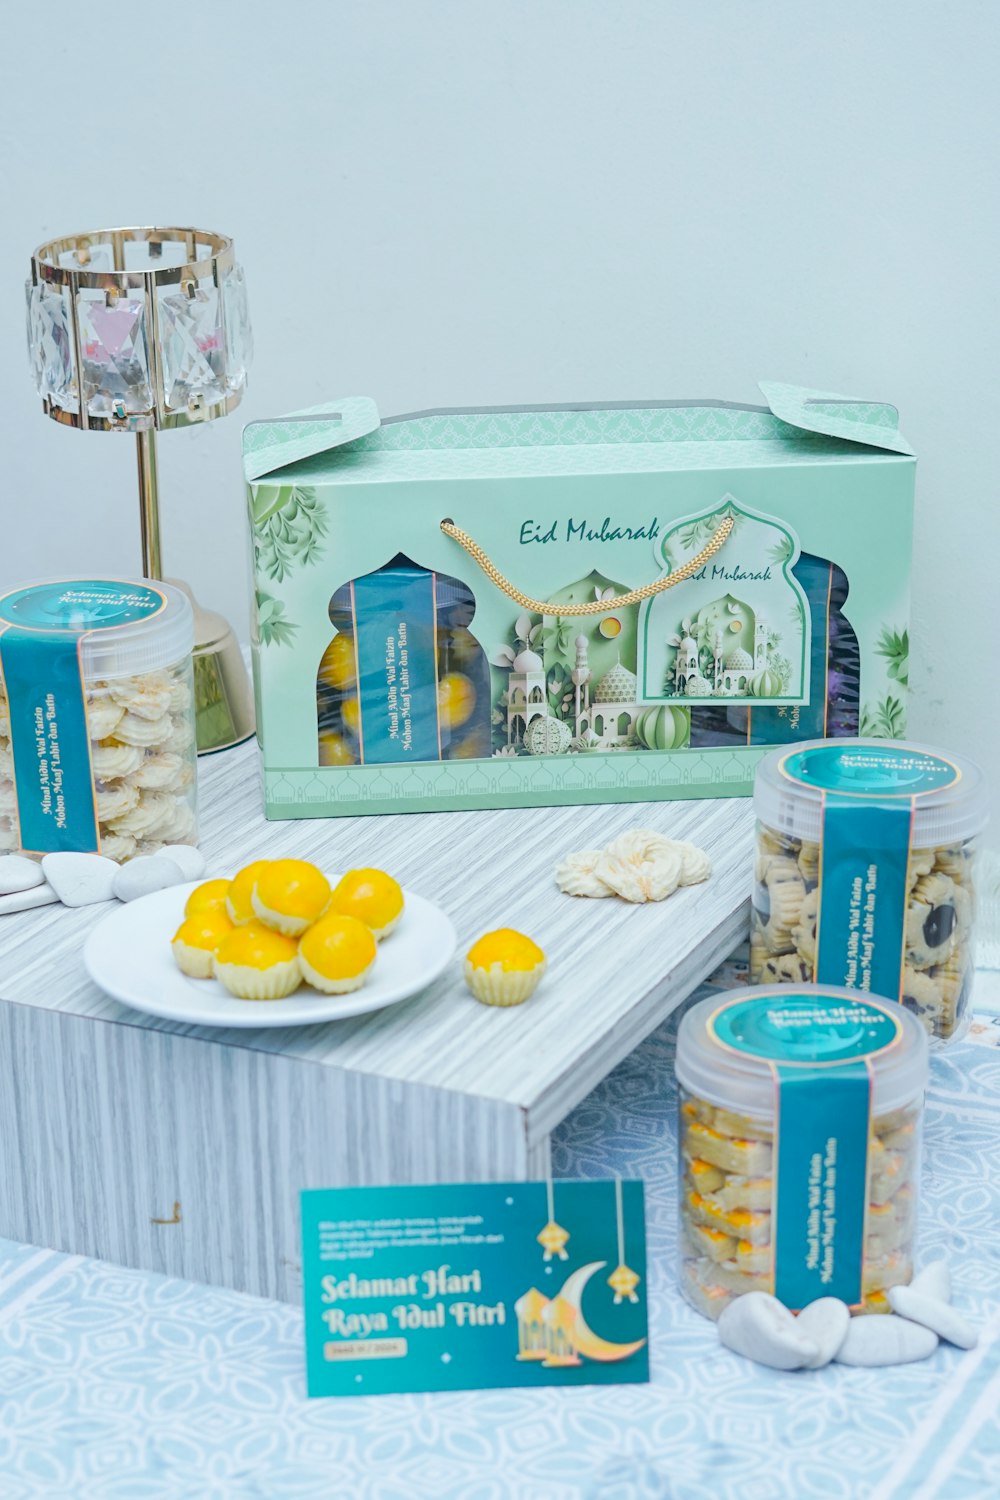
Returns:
(149,873)
(760,1327)
(80,879)
(934,1281)
(885,1339)
(932,1313)
(39,895)
(18,874)
(825,1322)
(190,859)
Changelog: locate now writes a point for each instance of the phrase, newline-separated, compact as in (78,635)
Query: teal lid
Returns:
(126,626)
(729,1045)
(947,792)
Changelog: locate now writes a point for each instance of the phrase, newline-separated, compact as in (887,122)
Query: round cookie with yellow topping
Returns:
(239,904)
(209,896)
(504,967)
(334,750)
(256,963)
(456,697)
(338,668)
(336,953)
(289,895)
(372,896)
(196,940)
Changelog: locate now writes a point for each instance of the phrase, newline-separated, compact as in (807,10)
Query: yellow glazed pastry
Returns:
(350,713)
(238,897)
(456,698)
(334,750)
(255,963)
(338,668)
(504,967)
(372,896)
(211,894)
(195,942)
(289,895)
(336,953)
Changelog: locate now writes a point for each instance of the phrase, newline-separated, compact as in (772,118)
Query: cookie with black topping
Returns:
(786,968)
(939,914)
(922,995)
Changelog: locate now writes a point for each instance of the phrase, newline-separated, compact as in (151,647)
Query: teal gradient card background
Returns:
(447,1287)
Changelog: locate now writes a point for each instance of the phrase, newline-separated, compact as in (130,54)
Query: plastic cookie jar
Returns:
(865,873)
(799,1132)
(97,728)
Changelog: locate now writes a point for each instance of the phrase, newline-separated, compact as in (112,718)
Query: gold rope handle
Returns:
(598,606)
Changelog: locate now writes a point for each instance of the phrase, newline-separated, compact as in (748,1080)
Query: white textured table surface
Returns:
(615,970)
(119,1385)
(183,1149)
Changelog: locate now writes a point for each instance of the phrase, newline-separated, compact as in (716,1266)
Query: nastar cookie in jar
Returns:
(865,873)
(799,1146)
(97,742)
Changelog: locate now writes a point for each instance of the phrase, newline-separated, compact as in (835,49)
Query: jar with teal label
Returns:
(97,729)
(865,873)
(799,1146)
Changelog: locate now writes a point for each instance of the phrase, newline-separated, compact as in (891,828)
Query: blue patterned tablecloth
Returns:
(116,1385)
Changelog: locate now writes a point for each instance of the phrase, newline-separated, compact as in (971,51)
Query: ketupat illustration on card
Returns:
(474,1285)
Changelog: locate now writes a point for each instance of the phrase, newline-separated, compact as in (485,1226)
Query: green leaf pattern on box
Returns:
(894,645)
(288,524)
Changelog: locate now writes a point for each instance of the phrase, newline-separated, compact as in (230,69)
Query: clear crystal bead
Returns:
(239,334)
(194,356)
(50,345)
(113,343)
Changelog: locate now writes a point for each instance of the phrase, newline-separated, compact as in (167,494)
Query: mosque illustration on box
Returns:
(735,673)
(609,714)
(629,677)
(610,717)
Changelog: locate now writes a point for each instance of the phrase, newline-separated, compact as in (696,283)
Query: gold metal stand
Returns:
(224,713)
(149,508)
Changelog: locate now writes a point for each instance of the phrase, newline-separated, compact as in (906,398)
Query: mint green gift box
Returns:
(395,672)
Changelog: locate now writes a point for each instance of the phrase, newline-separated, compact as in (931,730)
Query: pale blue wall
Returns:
(448,202)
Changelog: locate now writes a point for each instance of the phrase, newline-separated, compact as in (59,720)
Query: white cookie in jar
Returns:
(97,732)
(865,873)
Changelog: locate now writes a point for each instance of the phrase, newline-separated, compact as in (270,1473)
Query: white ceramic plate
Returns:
(128,955)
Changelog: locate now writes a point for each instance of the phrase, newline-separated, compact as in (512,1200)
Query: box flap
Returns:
(875,423)
(279,441)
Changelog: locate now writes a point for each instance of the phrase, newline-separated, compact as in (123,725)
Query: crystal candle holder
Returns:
(132,329)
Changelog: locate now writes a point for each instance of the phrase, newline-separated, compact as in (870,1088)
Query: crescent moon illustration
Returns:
(587,1341)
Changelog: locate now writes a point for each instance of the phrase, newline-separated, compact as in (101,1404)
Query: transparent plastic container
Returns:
(97,726)
(730,1107)
(922,948)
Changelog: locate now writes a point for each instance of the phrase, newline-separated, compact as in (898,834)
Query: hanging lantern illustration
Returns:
(623,1283)
(623,1280)
(553,1238)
